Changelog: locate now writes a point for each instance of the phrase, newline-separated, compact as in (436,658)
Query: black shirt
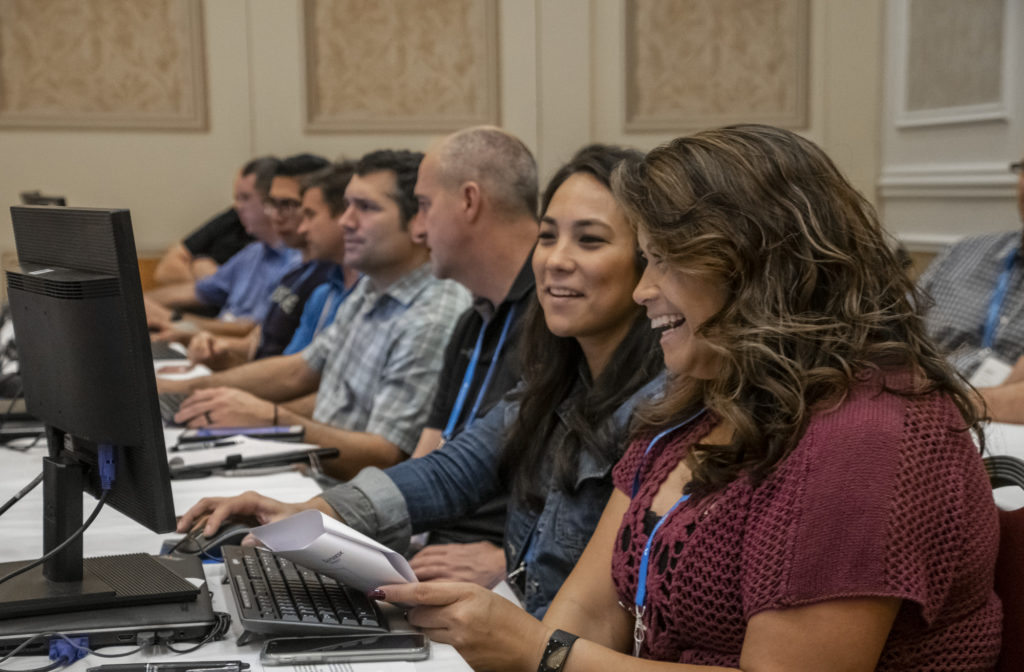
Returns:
(220,238)
(488,522)
(286,304)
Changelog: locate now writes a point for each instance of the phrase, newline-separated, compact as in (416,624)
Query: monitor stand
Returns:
(67,583)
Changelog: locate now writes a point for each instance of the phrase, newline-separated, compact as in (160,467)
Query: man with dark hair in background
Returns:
(262,277)
(203,251)
(317,287)
(369,378)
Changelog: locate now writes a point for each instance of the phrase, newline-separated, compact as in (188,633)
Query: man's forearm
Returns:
(276,379)
(356,449)
(174,268)
(1004,403)
(237,328)
(181,295)
(304,406)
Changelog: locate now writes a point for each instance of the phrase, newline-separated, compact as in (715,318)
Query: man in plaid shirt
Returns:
(369,378)
(977,286)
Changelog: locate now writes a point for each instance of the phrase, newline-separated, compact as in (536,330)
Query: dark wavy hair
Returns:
(817,299)
(405,165)
(551,365)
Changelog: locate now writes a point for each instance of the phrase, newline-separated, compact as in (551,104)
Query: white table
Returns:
(112,532)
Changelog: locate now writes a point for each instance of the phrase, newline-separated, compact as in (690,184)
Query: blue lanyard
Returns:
(656,439)
(995,305)
(467,378)
(639,629)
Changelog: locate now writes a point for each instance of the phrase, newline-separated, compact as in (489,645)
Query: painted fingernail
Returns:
(376,594)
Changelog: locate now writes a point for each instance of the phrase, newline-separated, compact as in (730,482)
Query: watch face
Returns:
(557,651)
(556,658)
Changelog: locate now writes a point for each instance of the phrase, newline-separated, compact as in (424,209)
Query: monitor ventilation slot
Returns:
(71,290)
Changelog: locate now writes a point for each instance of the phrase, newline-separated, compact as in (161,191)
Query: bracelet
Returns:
(557,651)
(275,415)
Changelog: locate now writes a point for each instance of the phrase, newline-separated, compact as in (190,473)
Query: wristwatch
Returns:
(557,651)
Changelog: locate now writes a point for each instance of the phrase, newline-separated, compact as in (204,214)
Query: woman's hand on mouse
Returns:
(251,505)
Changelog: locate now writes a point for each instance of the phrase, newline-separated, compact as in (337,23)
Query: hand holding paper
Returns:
(328,546)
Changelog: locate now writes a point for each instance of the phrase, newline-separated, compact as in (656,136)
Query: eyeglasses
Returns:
(1017,167)
(283,206)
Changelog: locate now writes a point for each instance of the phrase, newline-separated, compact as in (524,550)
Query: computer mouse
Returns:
(229,533)
(197,543)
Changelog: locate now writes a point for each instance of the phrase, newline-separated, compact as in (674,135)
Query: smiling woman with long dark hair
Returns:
(588,357)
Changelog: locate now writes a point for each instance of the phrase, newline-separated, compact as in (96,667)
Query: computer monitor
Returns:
(79,321)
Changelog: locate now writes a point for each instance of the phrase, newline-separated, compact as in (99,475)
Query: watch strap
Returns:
(557,651)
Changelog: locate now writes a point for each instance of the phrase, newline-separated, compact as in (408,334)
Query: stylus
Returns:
(200,445)
(176,666)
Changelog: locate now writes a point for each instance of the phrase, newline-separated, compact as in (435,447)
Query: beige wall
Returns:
(561,74)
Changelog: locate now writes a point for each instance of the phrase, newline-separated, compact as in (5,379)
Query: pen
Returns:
(176,666)
(200,445)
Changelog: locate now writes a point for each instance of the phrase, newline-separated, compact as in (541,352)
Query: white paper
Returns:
(330,547)
(245,447)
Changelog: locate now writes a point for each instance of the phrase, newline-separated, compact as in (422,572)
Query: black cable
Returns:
(77,533)
(63,660)
(217,631)
(52,666)
(14,398)
(9,445)
(21,493)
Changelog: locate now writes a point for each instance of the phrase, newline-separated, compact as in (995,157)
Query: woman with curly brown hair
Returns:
(806,495)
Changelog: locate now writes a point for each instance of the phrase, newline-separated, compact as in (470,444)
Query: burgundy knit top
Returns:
(883,496)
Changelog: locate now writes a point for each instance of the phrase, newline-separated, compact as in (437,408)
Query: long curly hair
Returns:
(816,296)
(551,365)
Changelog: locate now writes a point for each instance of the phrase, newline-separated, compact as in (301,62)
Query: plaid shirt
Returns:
(962,280)
(379,360)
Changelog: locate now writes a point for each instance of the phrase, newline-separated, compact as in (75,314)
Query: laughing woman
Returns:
(806,495)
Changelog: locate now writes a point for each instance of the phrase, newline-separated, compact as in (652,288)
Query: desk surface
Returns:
(113,532)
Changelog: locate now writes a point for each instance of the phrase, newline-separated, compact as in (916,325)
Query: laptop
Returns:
(174,622)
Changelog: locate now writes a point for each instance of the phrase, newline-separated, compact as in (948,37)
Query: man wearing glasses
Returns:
(977,286)
(319,275)
(243,287)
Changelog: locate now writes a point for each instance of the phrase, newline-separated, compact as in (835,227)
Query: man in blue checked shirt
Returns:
(977,286)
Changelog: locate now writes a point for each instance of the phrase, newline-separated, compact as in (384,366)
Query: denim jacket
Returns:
(450,482)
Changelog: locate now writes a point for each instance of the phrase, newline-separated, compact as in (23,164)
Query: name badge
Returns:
(991,372)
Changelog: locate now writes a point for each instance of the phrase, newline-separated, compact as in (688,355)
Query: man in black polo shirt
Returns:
(477,193)
(203,251)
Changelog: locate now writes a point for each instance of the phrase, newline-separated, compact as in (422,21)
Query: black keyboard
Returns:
(170,402)
(275,596)
(164,350)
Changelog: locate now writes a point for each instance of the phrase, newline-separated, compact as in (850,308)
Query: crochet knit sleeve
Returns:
(884,496)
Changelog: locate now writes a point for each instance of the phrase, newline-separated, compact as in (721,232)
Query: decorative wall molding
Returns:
(950,69)
(400,65)
(948,180)
(124,65)
(694,64)
(931,243)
